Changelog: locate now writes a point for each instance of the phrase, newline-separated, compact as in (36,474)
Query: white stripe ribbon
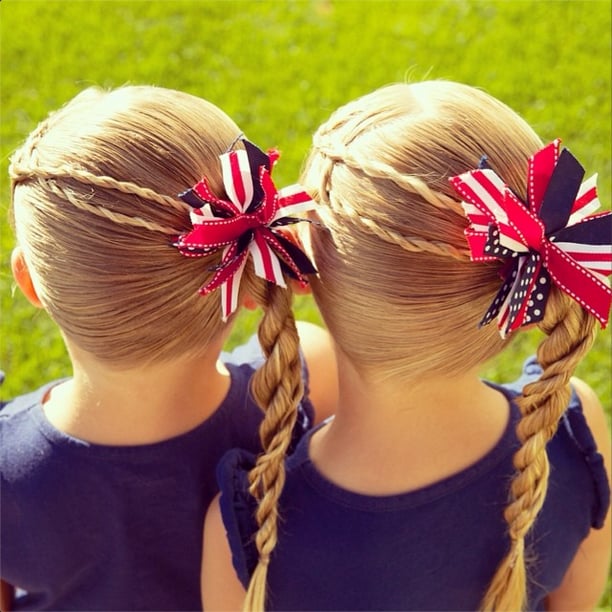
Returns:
(242,161)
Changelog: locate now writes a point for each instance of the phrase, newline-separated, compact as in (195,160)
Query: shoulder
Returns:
(582,440)
(24,434)
(585,579)
(235,511)
(15,415)
(28,400)
(594,416)
(596,423)
(220,586)
(586,421)
(321,370)
(24,402)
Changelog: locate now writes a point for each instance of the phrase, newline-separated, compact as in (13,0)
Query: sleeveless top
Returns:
(95,527)
(434,548)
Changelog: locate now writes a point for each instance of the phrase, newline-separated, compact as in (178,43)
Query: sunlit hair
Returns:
(396,286)
(96,210)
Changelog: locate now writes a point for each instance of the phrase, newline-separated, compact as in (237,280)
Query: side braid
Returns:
(411,244)
(408,243)
(84,204)
(24,167)
(570,333)
(381,170)
(410,183)
(21,172)
(277,387)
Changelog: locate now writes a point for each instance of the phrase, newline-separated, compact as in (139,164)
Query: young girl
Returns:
(106,476)
(431,489)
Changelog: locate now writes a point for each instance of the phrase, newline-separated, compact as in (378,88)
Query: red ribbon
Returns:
(246,224)
(552,238)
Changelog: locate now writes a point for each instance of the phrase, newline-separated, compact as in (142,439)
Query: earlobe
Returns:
(22,277)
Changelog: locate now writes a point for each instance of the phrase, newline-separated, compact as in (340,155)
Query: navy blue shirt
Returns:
(93,527)
(435,548)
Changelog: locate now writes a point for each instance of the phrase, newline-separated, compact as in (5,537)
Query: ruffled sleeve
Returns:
(238,511)
(578,429)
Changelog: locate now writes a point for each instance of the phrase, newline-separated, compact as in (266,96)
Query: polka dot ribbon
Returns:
(551,239)
(245,224)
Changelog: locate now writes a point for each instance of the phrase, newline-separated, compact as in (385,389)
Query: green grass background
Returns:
(279,68)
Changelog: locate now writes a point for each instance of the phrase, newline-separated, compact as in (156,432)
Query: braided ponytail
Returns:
(277,387)
(570,334)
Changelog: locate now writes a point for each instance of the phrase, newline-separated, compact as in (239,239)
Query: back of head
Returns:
(397,287)
(95,207)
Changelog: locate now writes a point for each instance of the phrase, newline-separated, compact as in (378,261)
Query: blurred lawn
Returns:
(279,69)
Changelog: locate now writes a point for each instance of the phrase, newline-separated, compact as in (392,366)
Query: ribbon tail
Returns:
(588,243)
(477,242)
(587,201)
(237,178)
(488,200)
(296,264)
(230,290)
(522,297)
(200,195)
(561,192)
(527,300)
(293,200)
(265,261)
(229,270)
(497,306)
(479,221)
(541,166)
(270,205)
(257,160)
(484,190)
(292,259)
(587,288)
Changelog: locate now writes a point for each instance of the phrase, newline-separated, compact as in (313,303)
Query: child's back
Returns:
(114,526)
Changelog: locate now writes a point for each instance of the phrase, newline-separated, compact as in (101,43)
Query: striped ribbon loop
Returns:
(246,224)
(554,238)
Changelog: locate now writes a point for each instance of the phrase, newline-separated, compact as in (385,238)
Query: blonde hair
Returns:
(96,211)
(393,253)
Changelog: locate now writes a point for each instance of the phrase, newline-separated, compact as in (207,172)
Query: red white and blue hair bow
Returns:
(551,239)
(246,224)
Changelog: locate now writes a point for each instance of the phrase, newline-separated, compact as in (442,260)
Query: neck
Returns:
(139,405)
(415,431)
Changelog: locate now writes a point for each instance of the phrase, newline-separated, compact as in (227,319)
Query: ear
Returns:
(22,277)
